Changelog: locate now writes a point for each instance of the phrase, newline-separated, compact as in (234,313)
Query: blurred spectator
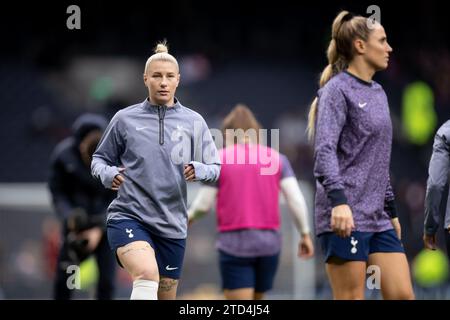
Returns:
(81,202)
(51,239)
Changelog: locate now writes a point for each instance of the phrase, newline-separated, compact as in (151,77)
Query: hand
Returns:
(429,241)
(189,172)
(397,227)
(342,220)
(118,180)
(93,236)
(305,247)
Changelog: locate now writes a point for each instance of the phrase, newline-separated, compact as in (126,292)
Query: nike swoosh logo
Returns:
(141,128)
(362,105)
(169,268)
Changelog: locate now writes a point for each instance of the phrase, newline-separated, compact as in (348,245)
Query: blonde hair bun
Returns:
(162,48)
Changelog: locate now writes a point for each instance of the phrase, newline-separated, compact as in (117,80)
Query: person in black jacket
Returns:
(81,202)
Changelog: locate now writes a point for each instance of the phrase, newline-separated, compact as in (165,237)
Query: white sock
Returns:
(144,290)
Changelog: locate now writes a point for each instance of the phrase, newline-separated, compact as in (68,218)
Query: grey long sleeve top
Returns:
(438,178)
(153,143)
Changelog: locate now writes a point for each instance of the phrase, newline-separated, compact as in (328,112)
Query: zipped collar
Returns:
(161,115)
(154,108)
(161,111)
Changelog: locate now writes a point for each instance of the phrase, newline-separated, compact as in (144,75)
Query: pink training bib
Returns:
(249,186)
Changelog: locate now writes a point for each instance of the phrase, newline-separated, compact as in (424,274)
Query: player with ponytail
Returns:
(350,124)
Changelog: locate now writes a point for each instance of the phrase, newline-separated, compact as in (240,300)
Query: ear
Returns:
(178,80)
(360,46)
(144,76)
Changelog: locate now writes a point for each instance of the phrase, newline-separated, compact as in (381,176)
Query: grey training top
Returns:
(352,153)
(438,178)
(153,143)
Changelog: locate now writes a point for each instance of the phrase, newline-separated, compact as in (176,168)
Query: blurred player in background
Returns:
(148,152)
(81,203)
(248,215)
(438,179)
(350,121)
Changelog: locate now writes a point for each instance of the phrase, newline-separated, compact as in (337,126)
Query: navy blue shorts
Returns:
(359,245)
(169,252)
(238,272)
